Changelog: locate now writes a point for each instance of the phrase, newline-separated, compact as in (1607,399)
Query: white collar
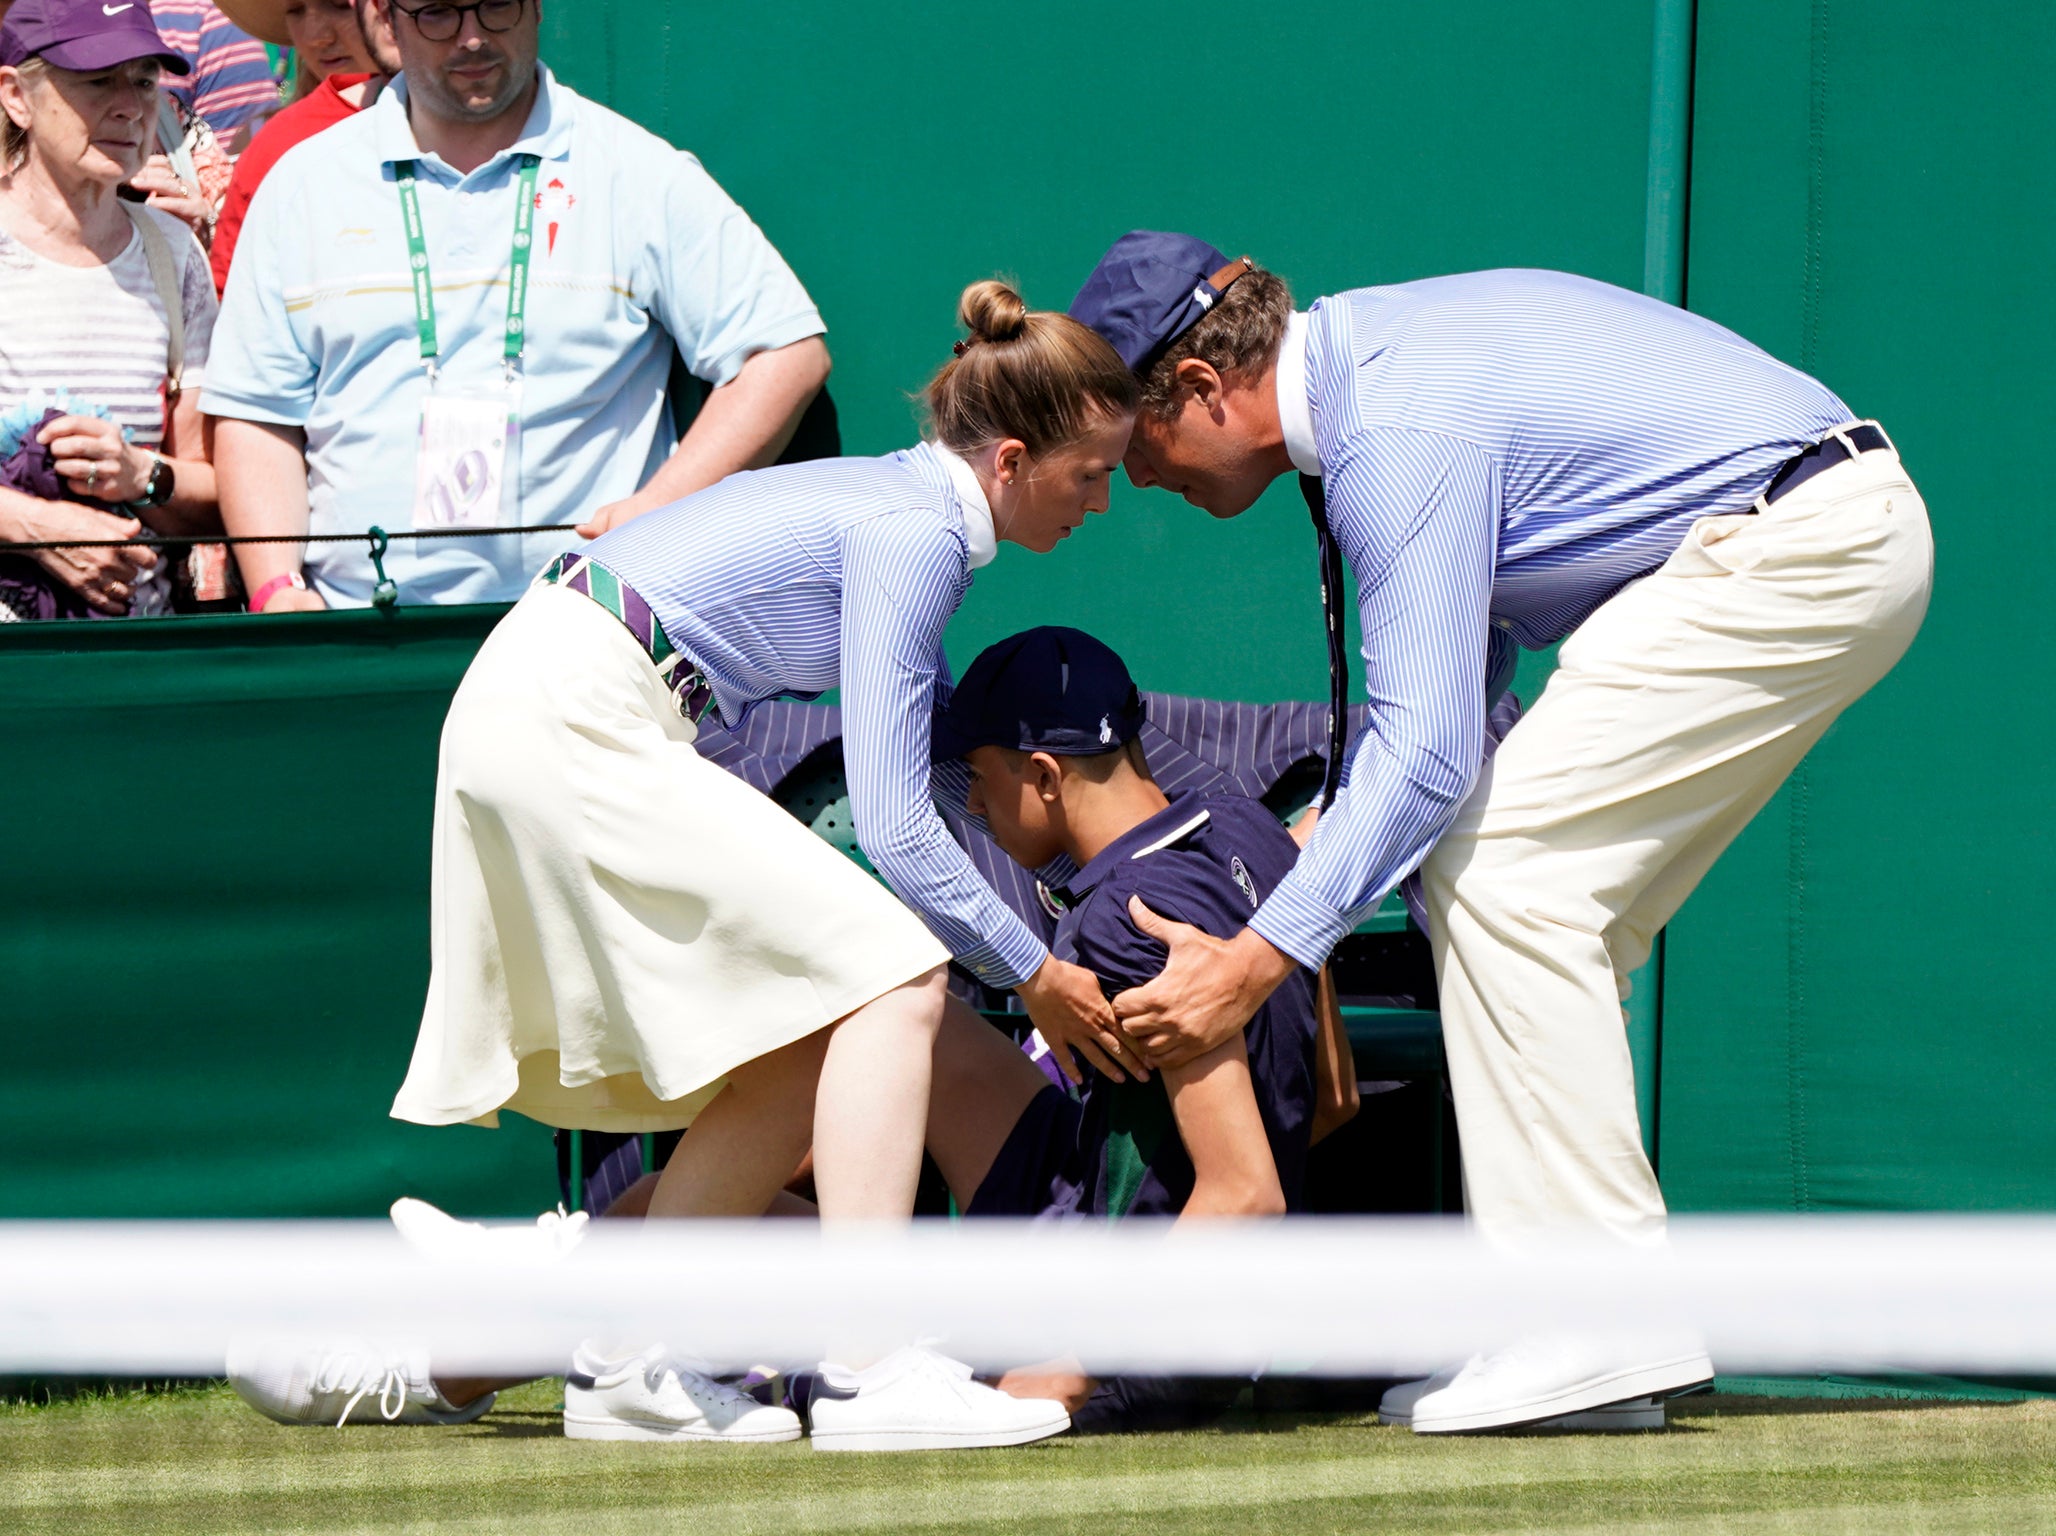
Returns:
(1295,405)
(1177,834)
(979,536)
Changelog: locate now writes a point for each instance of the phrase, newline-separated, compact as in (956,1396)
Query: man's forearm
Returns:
(745,424)
(260,474)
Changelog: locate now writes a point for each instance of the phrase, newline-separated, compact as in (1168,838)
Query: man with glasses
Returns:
(456,312)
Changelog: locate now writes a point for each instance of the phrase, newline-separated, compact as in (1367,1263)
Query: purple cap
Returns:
(85,35)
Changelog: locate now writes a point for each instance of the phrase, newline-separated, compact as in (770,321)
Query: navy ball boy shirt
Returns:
(1207,860)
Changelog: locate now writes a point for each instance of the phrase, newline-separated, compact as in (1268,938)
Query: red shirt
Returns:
(322,108)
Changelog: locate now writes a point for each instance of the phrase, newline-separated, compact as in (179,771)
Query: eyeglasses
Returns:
(439,23)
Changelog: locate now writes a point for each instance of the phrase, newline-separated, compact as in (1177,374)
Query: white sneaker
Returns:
(1614,1418)
(918,1400)
(1397,1405)
(1549,1378)
(436,1233)
(656,1396)
(341,1381)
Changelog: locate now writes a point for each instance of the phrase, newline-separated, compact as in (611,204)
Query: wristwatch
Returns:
(157,489)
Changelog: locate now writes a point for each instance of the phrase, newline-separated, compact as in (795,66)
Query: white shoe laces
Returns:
(349,1373)
(697,1379)
(930,1361)
(563,1228)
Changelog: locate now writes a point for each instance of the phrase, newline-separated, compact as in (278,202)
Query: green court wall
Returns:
(214,937)
(1857,1006)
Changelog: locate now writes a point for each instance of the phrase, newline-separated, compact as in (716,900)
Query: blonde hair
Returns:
(1027,373)
(14,139)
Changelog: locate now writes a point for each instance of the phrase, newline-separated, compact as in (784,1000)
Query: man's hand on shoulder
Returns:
(1209,988)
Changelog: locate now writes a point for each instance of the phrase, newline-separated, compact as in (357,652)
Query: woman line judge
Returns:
(628,938)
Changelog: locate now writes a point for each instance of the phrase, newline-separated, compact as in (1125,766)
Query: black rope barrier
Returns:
(371,538)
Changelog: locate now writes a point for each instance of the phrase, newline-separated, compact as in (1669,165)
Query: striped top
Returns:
(1502,452)
(842,573)
(101,333)
(231,83)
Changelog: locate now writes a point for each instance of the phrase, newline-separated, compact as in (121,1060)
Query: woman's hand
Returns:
(1071,1013)
(1208,989)
(94,461)
(105,576)
(180,199)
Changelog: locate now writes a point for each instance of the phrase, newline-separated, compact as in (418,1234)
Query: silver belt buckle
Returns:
(691,693)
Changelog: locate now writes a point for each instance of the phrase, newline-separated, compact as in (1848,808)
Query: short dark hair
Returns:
(1239,337)
(1095,767)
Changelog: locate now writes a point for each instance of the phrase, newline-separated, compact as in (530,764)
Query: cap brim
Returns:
(85,54)
(264,20)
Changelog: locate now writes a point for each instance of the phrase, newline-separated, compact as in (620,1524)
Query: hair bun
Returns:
(992,311)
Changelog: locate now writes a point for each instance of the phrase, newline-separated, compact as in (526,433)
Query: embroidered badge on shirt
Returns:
(1241,873)
(551,205)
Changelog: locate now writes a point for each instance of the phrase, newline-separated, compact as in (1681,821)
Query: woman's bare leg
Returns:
(744,1146)
(871,1109)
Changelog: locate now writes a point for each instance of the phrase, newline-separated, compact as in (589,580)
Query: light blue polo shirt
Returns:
(635,248)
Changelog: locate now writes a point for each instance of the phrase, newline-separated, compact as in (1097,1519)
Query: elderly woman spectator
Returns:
(106,309)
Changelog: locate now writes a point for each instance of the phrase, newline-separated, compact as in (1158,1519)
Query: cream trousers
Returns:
(1675,713)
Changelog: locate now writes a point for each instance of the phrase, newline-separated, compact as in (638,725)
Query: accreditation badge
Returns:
(461,469)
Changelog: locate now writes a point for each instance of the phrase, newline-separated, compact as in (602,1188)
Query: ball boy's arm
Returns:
(1214,1104)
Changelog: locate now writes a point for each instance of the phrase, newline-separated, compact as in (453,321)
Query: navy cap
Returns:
(85,35)
(1044,690)
(1150,289)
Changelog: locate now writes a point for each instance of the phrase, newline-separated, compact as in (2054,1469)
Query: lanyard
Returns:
(517,262)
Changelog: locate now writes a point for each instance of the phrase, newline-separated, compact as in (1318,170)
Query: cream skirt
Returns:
(616,922)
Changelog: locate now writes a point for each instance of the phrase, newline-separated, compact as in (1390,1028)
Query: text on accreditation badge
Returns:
(460,470)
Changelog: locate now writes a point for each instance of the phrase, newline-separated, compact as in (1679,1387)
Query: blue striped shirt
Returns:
(842,572)
(1502,452)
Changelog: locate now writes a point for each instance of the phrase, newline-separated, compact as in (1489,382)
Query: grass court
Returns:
(195,1460)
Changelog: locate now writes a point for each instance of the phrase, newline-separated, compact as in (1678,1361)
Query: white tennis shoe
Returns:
(658,1396)
(436,1233)
(343,1381)
(916,1399)
(1544,1379)
(1397,1407)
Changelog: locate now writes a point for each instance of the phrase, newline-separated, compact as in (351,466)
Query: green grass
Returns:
(195,1460)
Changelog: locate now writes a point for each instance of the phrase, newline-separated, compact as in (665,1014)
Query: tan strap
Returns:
(1241,266)
(164,275)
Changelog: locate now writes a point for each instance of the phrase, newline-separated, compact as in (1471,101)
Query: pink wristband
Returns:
(273,587)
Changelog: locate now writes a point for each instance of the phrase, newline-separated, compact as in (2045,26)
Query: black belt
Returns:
(1866,437)
(689,687)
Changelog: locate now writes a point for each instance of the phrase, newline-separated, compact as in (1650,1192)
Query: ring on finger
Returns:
(92,473)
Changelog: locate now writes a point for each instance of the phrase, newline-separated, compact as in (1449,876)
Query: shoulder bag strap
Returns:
(164,274)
